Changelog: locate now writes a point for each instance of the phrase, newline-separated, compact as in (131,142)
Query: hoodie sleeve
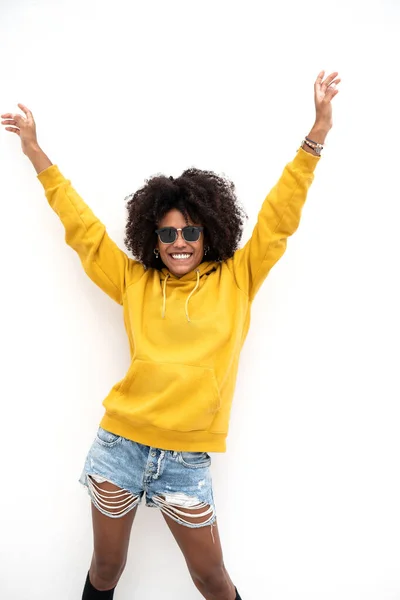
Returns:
(278,219)
(101,258)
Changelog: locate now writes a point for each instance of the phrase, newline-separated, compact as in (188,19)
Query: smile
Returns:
(181,256)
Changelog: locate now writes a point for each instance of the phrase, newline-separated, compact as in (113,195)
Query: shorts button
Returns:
(151,465)
(153,453)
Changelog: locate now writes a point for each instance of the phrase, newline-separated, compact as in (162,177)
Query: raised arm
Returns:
(101,258)
(280,213)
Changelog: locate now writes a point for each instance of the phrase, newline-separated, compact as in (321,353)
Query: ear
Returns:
(157,239)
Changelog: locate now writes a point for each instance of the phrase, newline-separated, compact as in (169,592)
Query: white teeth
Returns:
(181,256)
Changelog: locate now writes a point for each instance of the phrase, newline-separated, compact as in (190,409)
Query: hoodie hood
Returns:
(204,268)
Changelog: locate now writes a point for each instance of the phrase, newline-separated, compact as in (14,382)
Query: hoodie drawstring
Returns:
(187,300)
(190,295)
(164,297)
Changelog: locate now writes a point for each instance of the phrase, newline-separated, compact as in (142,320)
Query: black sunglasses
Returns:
(168,235)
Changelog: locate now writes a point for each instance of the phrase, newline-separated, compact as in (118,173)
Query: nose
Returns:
(180,241)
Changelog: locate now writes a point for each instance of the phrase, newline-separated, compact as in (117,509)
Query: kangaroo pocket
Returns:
(165,395)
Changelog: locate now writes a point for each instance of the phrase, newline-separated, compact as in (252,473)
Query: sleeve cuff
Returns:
(305,160)
(51,177)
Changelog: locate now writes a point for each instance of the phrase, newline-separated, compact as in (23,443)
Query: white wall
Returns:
(308,494)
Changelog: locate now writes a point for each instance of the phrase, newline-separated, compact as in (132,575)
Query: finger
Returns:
(13,130)
(330,79)
(331,96)
(9,122)
(335,82)
(25,110)
(331,93)
(6,116)
(19,119)
(320,77)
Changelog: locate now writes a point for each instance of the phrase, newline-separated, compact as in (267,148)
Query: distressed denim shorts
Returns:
(178,483)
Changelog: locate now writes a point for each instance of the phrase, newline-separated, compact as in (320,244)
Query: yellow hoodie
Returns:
(186,333)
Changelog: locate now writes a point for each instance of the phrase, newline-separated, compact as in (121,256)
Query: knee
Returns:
(216,583)
(105,574)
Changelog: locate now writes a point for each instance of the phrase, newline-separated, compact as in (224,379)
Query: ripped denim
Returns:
(178,483)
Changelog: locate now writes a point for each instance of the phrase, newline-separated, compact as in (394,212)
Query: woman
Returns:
(186,300)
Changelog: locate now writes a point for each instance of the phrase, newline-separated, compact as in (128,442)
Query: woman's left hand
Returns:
(324,91)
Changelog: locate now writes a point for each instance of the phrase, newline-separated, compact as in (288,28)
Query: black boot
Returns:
(237,595)
(90,593)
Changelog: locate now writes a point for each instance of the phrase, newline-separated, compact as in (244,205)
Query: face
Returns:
(181,256)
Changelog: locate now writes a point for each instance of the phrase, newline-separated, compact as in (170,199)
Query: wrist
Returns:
(319,131)
(32,149)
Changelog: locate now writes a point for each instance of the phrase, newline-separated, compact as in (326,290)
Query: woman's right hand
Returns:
(24,126)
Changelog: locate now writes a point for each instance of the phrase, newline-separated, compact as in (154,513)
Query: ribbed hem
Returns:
(191,441)
(305,160)
(51,177)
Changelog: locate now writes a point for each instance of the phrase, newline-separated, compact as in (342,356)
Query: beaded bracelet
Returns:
(312,142)
(317,148)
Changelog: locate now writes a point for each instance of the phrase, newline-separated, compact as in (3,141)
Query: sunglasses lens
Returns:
(191,234)
(168,235)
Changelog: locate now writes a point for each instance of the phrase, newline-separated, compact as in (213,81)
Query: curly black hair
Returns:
(203,196)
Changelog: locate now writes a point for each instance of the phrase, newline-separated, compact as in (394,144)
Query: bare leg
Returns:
(202,550)
(111,534)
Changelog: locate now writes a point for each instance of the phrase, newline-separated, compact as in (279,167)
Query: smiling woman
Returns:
(173,406)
